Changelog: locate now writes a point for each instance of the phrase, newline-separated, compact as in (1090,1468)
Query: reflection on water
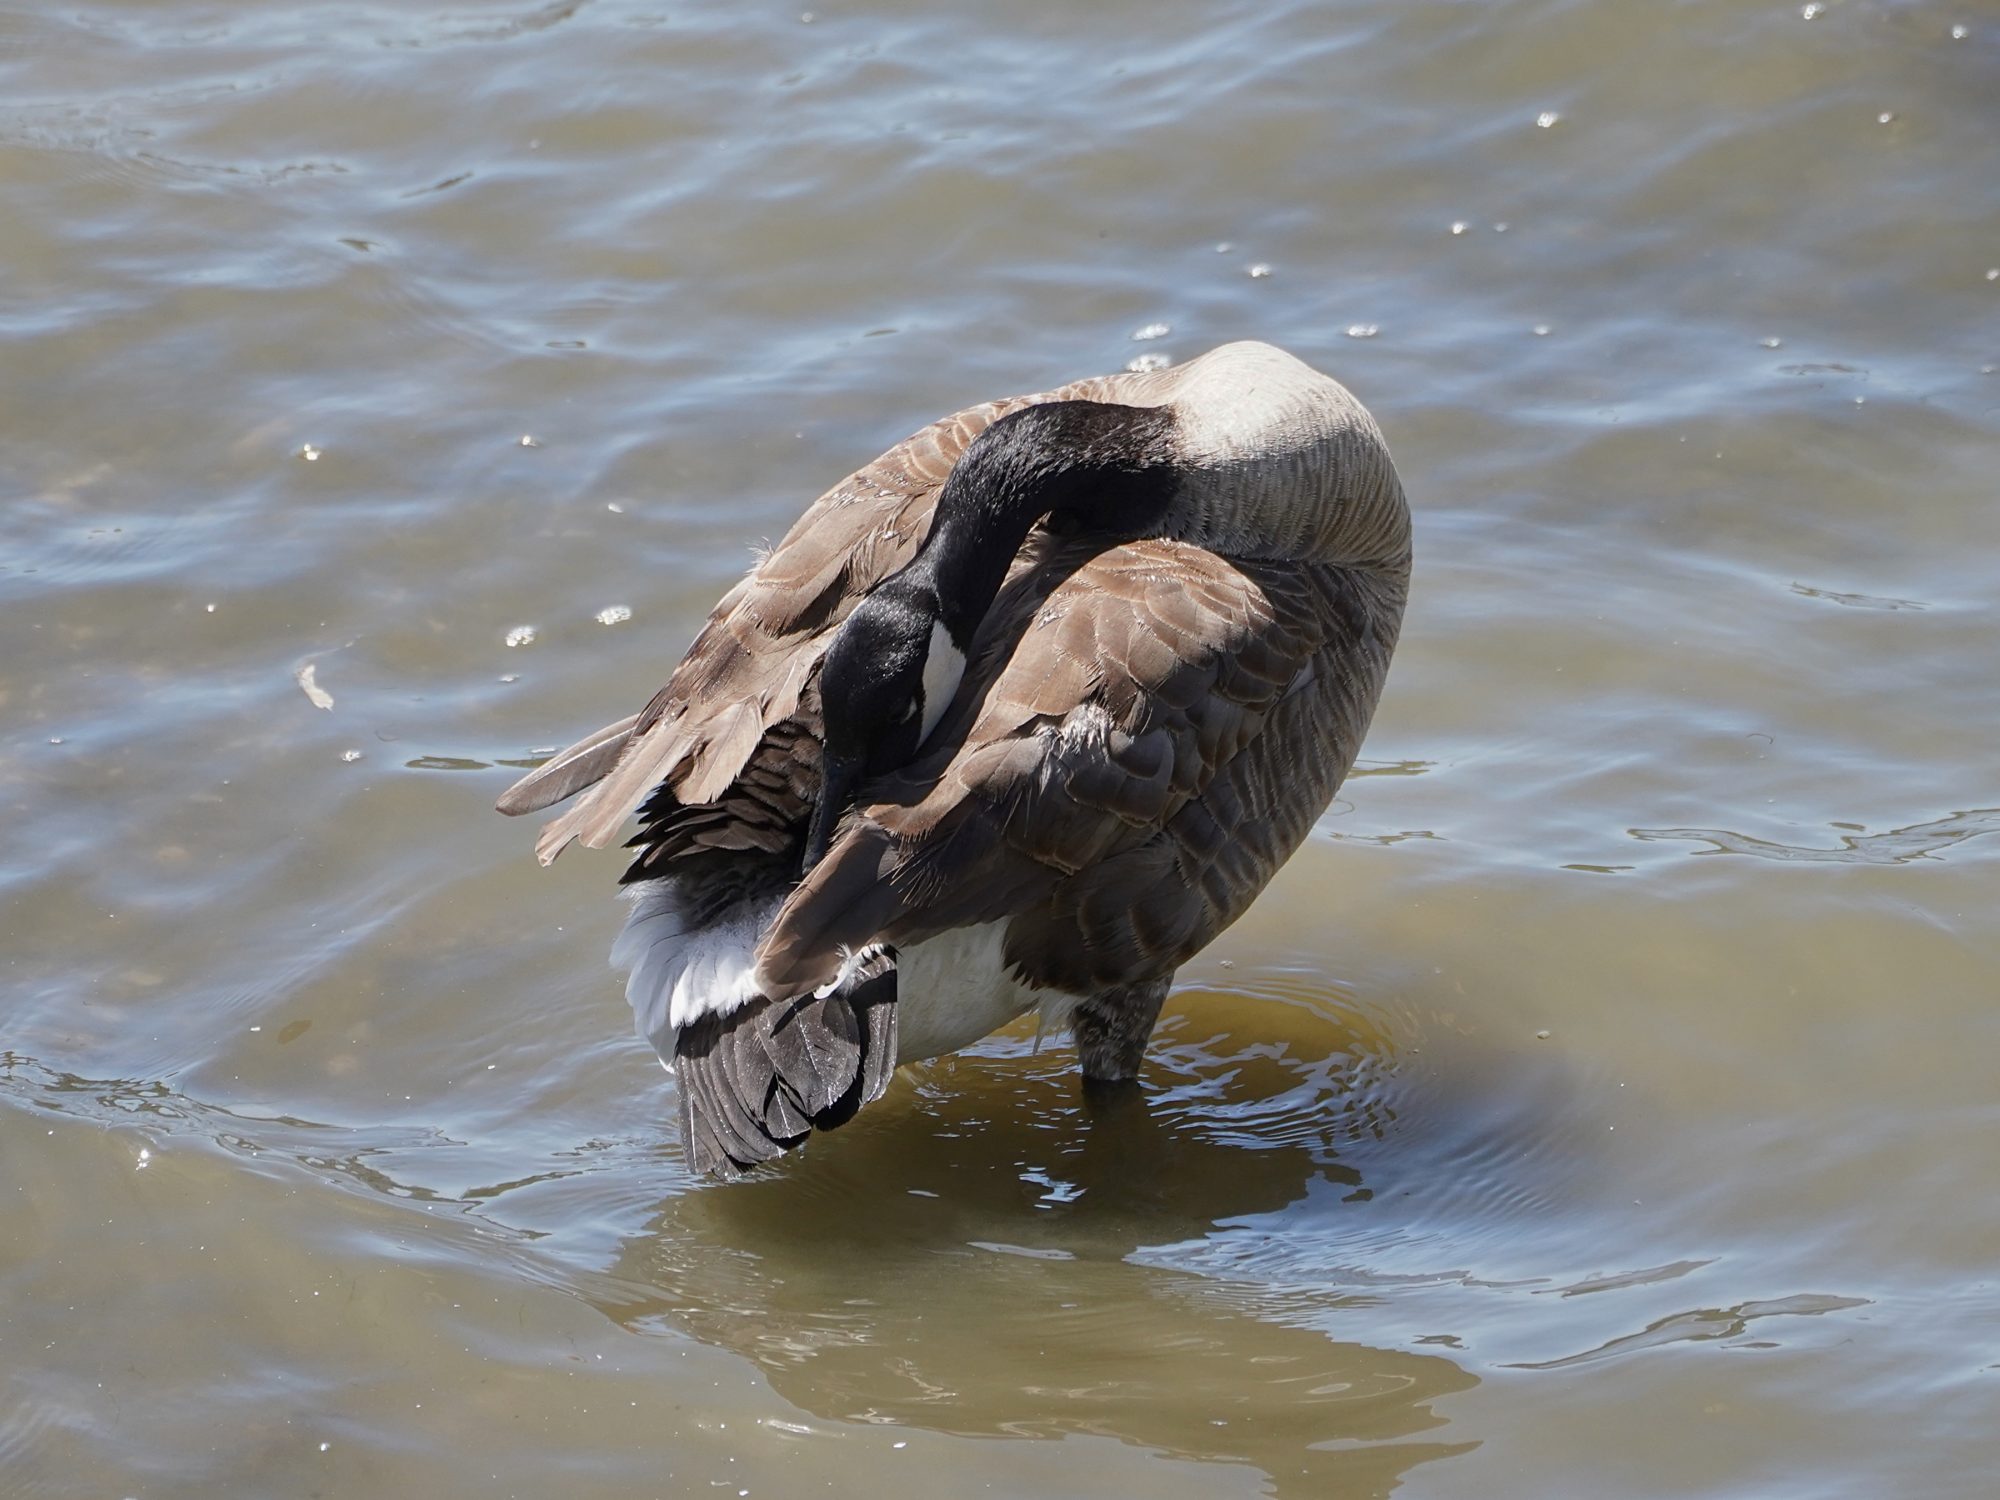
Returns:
(978,1263)
(1894,847)
(1732,1323)
(1857,601)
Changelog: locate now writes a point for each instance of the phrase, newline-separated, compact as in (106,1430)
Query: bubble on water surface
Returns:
(1259,271)
(521,635)
(614,614)
(1772,343)
(350,756)
(1810,11)
(1363,330)
(1223,247)
(309,453)
(1541,330)
(1151,331)
(1548,119)
(1887,117)
(1142,364)
(1458,226)
(1500,227)
(1960,33)
(529,442)
(1993,273)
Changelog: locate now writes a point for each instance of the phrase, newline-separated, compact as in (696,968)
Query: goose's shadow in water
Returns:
(970,1257)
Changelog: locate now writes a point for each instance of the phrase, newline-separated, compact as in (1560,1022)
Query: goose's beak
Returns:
(835,790)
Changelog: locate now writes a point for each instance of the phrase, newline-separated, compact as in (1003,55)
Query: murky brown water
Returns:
(1603,1104)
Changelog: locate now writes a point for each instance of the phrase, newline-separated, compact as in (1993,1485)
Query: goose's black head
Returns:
(884,684)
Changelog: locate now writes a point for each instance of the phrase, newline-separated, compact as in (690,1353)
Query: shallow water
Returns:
(1601,1104)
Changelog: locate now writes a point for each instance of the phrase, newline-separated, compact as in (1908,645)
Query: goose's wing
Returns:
(748,666)
(1158,731)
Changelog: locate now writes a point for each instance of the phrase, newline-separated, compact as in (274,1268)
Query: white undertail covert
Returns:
(951,991)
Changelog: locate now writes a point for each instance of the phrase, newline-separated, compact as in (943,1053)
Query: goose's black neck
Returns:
(1099,468)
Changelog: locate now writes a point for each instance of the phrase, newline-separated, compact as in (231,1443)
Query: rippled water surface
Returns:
(1603,1103)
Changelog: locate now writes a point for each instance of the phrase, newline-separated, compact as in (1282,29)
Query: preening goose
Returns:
(1023,713)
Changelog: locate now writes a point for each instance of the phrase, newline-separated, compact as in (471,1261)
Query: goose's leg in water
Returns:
(1112,1028)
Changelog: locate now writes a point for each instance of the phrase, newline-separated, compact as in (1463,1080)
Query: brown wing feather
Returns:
(583,764)
(1149,748)
(750,663)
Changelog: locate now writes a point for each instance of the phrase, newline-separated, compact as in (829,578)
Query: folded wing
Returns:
(750,664)
(1150,732)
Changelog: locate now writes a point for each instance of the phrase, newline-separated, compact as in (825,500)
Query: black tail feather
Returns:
(757,1082)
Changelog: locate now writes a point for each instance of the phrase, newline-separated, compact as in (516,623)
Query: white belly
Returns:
(955,989)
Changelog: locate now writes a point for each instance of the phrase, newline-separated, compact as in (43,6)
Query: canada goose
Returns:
(1023,713)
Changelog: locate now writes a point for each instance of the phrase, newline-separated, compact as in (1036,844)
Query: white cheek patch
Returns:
(944,666)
